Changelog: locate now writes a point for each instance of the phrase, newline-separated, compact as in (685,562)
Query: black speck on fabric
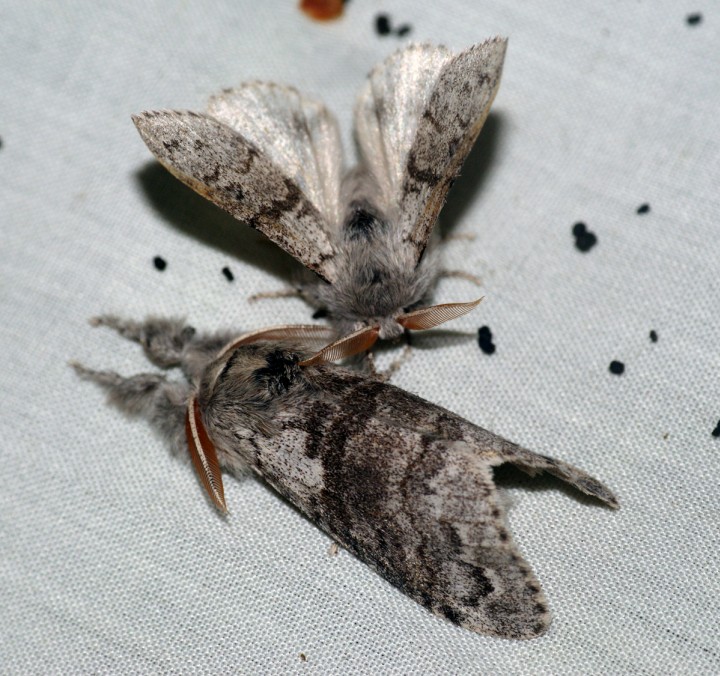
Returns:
(160,263)
(643,208)
(584,238)
(485,340)
(382,24)
(403,30)
(693,19)
(653,336)
(228,274)
(617,368)
(716,431)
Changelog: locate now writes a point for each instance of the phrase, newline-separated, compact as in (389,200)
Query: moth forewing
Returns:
(310,152)
(220,164)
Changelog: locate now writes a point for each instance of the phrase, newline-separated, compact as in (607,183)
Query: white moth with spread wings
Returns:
(273,159)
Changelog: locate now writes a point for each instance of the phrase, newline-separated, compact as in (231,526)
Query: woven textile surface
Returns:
(112,561)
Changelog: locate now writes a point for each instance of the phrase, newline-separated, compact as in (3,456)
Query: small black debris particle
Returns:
(159,263)
(382,24)
(653,336)
(584,239)
(320,314)
(228,274)
(485,340)
(693,19)
(716,431)
(1,142)
(643,208)
(403,30)
(617,368)
(303,658)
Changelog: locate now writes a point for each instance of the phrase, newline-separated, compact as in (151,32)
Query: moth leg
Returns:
(164,340)
(282,293)
(389,372)
(397,363)
(368,364)
(146,394)
(461,274)
(460,237)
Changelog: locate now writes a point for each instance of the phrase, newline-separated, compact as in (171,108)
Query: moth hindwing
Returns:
(272,157)
(403,484)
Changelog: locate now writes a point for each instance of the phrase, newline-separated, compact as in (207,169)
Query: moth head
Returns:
(416,320)
(243,371)
(276,363)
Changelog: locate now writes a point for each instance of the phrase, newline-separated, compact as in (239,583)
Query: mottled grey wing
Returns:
(235,174)
(416,120)
(299,135)
(407,487)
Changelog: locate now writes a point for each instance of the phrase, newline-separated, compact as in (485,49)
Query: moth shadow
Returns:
(468,186)
(508,476)
(431,340)
(199,218)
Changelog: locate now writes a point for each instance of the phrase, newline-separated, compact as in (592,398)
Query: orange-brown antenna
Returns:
(429,317)
(354,343)
(203,454)
(311,333)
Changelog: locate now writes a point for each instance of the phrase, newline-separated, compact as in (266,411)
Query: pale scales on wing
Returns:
(299,135)
(416,120)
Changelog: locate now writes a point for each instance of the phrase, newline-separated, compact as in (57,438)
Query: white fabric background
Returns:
(112,561)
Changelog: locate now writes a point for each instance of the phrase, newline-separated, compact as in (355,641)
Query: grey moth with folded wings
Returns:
(403,484)
(272,157)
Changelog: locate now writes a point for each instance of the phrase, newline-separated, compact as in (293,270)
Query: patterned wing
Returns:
(297,133)
(408,488)
(267,156)
(416,120)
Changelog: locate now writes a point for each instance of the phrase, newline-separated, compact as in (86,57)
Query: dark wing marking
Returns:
(230,171)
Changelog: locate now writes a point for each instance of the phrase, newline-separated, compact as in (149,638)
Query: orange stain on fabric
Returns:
(322,10)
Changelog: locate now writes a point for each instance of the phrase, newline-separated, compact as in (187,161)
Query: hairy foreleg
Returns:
(164,340)
(149,395)
(461,274)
